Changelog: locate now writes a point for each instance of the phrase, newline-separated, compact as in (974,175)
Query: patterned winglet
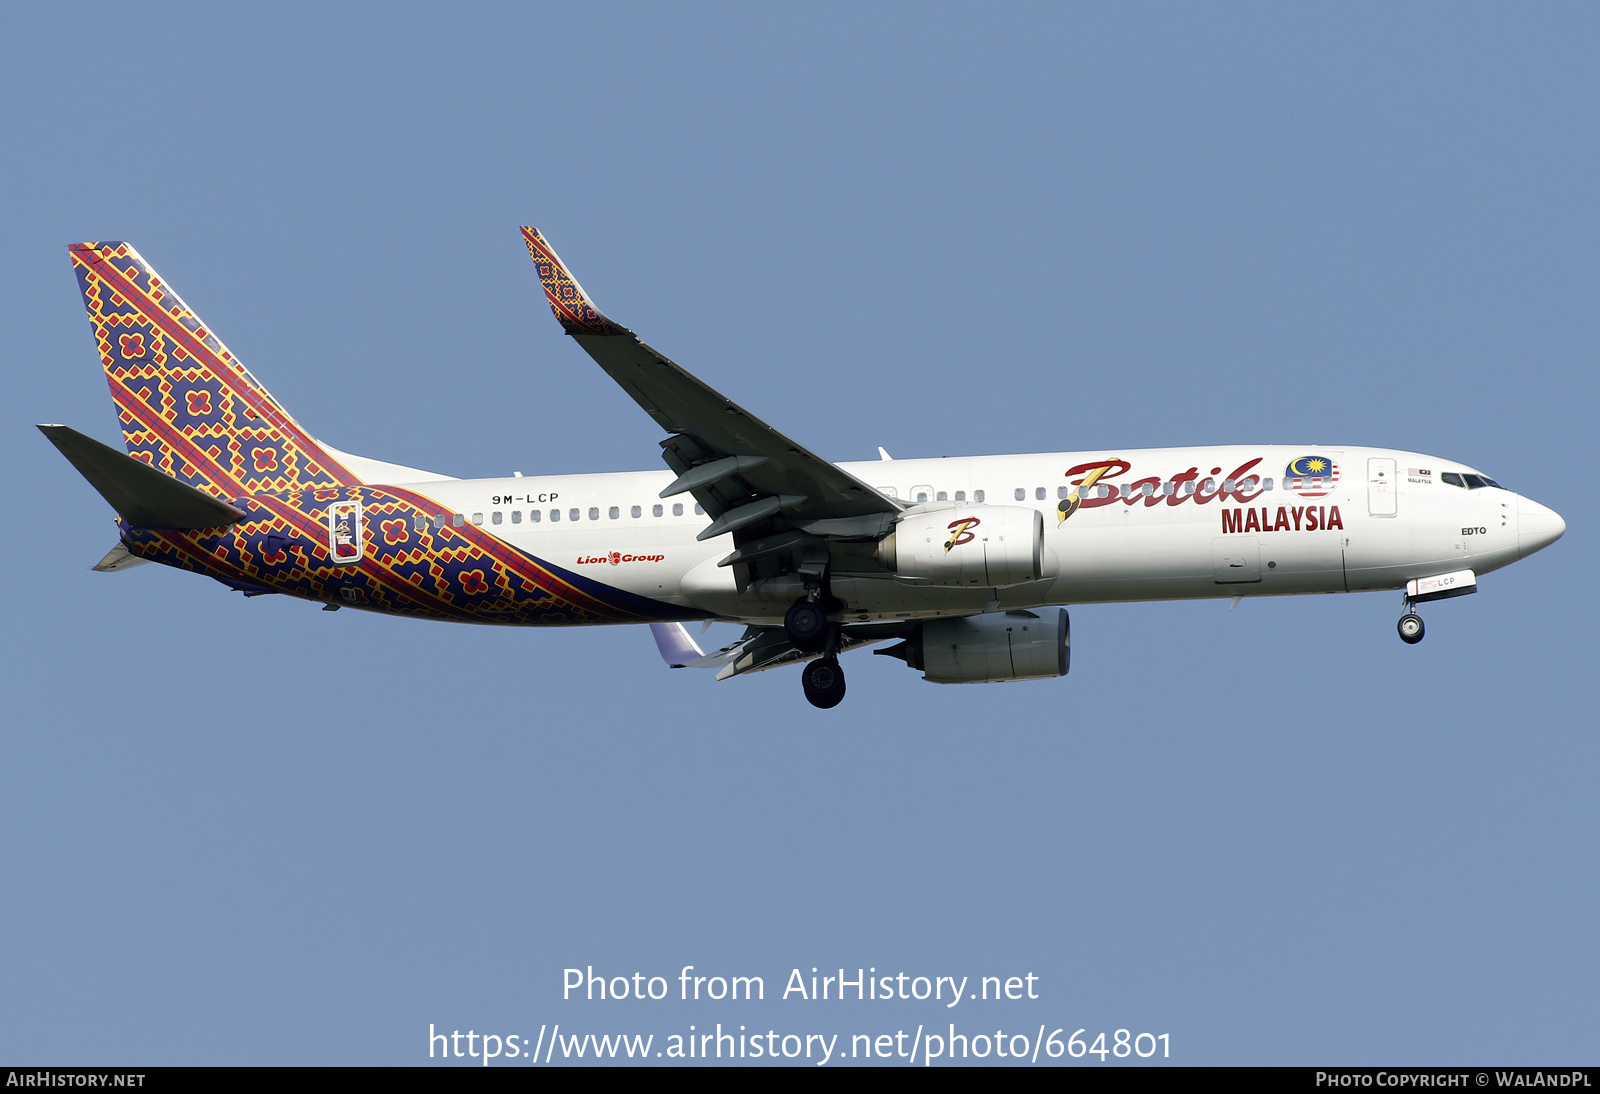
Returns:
(567,298)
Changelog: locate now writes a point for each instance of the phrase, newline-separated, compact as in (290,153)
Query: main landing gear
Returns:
(1410,625)
(807,627)
(806,624)
(823,682)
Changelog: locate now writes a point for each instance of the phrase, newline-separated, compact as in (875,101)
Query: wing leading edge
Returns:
(753,481)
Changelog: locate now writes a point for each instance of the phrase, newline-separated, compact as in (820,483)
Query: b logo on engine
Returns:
(961,532)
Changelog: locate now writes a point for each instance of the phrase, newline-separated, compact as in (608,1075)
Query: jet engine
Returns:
(984,546)
(989,648)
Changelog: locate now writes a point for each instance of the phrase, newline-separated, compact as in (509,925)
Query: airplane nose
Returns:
(1537,527)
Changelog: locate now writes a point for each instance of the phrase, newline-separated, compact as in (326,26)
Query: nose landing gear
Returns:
(1410,628)
(1410,625)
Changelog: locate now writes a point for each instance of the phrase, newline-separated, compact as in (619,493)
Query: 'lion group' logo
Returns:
(616,558)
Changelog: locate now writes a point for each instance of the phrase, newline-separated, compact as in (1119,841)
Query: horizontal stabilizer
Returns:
(141,495)
(117,559)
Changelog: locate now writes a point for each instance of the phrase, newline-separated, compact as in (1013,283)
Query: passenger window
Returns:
(1021,494)
(677,508)
(614,512)
(635,511)
(941,496)
(699,512)
(656,510)
(457,520)
(977,496)
(1148,489)
(1038,493)
(922,496)
(1266,485)
(555,514)
(1062,492)
(573,514)
(534,515)
(1453,479)
(495,517)
(594,512)
(1227,485)
(516,516)
(961,495)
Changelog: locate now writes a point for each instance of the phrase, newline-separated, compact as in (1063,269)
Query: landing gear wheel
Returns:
(823,682)
(1410,628)
(806,624)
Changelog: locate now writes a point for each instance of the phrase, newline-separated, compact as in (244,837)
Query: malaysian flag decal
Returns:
(1312,476)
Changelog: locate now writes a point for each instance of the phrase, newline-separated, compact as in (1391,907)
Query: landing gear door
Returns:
(1381,500)
(1236,559)
(344,532)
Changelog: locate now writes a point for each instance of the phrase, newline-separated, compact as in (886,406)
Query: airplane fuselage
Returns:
(1152,524)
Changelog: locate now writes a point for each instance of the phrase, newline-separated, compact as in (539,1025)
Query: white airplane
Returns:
(958,559)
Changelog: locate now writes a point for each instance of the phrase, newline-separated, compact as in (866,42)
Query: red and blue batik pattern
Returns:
(187,405)
(567,299)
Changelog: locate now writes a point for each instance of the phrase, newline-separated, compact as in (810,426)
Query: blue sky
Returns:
(252,832)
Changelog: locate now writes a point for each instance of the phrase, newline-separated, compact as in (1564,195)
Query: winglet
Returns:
(573,308)
(673,640)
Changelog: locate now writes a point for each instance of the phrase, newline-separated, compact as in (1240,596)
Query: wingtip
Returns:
(572,307)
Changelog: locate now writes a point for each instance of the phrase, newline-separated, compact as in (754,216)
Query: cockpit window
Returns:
(1471,482)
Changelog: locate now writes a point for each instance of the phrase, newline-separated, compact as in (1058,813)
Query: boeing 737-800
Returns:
(962,562)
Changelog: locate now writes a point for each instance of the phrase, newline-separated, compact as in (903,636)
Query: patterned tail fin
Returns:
(187,405)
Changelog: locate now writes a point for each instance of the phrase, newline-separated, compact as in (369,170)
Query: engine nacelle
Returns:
(990,648)
(983,546)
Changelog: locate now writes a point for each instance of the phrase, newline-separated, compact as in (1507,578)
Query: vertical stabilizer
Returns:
(187,405)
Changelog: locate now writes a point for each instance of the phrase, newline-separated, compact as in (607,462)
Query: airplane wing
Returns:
(762,648)
(751,479)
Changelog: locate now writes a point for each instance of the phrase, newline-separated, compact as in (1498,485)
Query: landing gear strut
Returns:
(823,682)
(1410,625)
